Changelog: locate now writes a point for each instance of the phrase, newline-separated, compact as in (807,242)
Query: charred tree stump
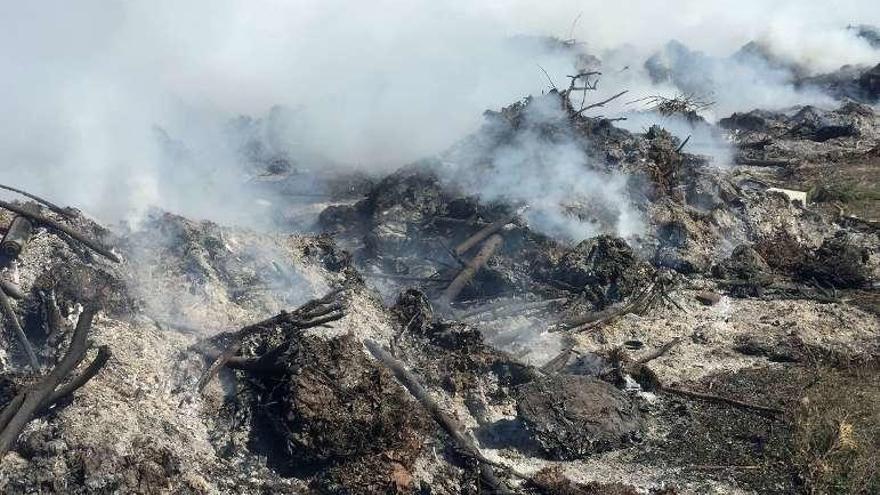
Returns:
(465,276)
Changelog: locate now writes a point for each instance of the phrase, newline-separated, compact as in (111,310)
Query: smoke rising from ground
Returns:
(117,106)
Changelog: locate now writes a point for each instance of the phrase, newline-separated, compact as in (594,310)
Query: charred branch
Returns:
(483,233)
(465,276)
(601,103)
(32,399)
(451,426)
(59,227)
(12,320)
(771,411)
(57,209)
(314,313)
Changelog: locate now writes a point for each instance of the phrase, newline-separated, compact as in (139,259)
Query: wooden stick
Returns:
(659,352)
(602,103)
(311,314)
(12,319)
(57,209)
(483,233)
(449,424)
(465,276)
(34,397)
(773,411)
(53,225)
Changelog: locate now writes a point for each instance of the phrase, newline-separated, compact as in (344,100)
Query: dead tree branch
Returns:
(57,209)
(29,401)
(12,320)
(772,411)
(451,426)
(602,103)
(311,314)
(87,374)
(465,276)
(591,320)
(483,233)
(53,225)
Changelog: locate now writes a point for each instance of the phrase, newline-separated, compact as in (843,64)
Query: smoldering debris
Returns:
(562,301)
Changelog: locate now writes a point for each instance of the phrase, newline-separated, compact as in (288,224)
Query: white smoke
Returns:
(115,106)
(552,175)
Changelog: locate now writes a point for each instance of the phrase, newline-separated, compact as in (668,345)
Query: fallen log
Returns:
(12,320)
(17,237)
(449,424)
(465,276)
(32,399)
(53,225)
(483,233)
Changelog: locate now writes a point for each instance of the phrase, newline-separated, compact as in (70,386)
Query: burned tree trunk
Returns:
(470,270)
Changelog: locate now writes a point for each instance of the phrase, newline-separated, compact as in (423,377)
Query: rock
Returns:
(574,416)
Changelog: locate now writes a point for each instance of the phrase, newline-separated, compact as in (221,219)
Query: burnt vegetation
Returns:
(457,344)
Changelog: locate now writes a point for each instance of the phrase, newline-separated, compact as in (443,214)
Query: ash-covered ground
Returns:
(561,302)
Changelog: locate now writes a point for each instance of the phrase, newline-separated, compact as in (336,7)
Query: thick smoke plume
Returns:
(117,106)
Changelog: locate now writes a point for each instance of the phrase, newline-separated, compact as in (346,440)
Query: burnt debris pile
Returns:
(552,293)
